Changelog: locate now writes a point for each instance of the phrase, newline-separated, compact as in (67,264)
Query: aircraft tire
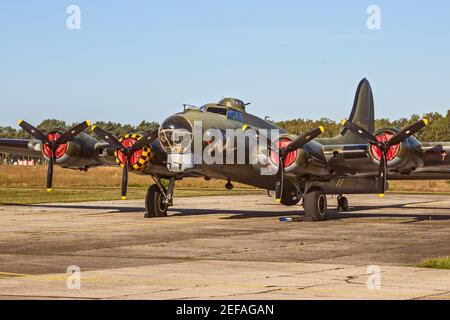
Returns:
(288,199)
(154,203)
(315,204)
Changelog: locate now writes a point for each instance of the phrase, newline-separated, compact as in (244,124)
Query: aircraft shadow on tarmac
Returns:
(352,213)
(112,209)
(332,214)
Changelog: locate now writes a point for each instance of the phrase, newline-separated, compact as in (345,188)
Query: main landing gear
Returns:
(315,204)
(314,201)
(158,199)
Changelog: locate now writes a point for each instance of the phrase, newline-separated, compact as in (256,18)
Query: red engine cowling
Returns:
(60,152)
(393,151)
(139,158)
(77,153)
(290,158)
(297,162)
(403,157)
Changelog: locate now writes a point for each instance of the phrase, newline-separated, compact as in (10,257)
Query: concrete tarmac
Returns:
(225,247)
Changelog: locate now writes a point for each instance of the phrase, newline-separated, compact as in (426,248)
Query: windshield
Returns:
(217,110)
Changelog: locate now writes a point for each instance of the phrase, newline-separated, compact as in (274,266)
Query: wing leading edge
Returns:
(20,147)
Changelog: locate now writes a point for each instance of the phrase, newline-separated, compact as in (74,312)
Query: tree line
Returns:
(438,129)
(117,129)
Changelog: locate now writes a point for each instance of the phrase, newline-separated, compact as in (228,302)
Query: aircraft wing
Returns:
(21,147)
(436,160)
(82,152)
(354,160)
(436,154)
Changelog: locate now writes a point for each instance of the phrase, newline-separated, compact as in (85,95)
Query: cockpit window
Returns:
(221,111)
(235,115)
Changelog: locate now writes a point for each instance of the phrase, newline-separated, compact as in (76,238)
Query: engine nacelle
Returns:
(299,161)
(403,157)
(291,158)
(77,154)
(139,158)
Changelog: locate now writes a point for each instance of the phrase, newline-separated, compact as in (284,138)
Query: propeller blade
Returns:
(407,132)
(146,140)
(304,139)
(50,169)
(360,132)
(125,179)
(72,133)
(33,131)
(108,137)
(280,178)
(382,172)
(259,135)
(283,152)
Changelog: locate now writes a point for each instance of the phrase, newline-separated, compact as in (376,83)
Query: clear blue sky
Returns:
(140,60)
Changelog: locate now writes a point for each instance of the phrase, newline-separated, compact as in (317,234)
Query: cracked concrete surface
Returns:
(225,248)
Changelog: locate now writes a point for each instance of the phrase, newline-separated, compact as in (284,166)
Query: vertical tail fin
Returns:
(363,113)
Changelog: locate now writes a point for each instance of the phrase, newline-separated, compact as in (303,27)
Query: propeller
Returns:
(298,143)
(53,143)
(384,146)
(127,151)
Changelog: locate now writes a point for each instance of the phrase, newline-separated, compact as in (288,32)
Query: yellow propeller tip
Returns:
(124,198)
(244,127)
(49,189)
(322,129)
(381,195)
(343,122)
(278,200)
(425,121)
(88,123)
(93,127)
(19,122)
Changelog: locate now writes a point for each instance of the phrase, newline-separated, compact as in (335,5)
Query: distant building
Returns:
(8,159)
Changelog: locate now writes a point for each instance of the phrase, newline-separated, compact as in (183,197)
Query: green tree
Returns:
(438,129)
(146,126)
(50,125)
(8,132)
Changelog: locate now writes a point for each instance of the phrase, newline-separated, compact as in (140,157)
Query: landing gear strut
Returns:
(158,199)
(342,203)
(315,204)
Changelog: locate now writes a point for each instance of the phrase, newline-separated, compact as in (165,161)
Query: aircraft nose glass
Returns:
(176,135)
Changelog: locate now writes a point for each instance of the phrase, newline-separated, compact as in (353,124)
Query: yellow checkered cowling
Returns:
(145,157)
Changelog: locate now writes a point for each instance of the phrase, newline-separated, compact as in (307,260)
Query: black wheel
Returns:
(342,203)
(290,198)
(316,205)
(154,203)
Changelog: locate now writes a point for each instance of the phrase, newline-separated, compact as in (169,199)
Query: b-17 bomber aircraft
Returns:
(300,169)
